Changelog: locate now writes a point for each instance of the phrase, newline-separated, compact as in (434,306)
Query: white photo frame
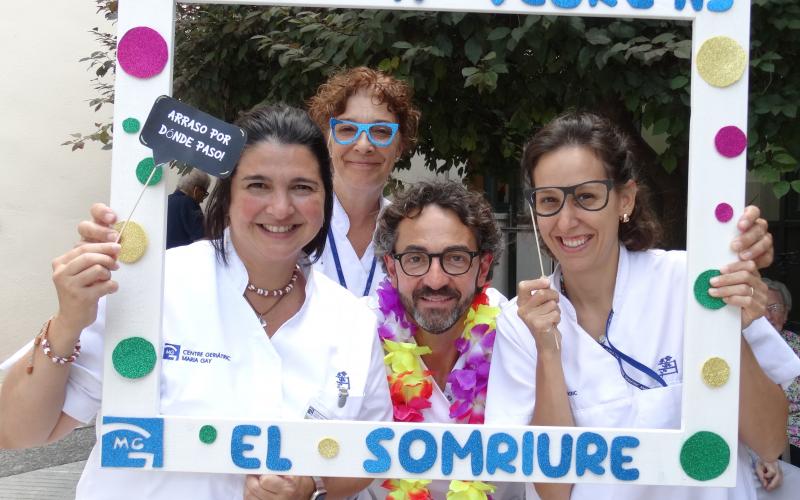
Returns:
(134,434)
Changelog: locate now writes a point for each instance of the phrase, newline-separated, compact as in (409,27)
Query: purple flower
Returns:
(384,332)
(388,298)
(482,369)
(475,359)
(487,342)
(480,329)
(462,345)
(462,382)
(460,409)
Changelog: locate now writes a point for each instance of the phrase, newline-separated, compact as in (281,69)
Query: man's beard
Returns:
(435,321)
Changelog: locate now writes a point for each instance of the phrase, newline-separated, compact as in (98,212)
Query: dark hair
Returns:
(614,149)
(331,100)
(279,124)
(471,208)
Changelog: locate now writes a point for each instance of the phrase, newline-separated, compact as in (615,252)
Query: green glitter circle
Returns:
(701,286)
(143,171)
(208,434)
(705,456)
(130,125)
(134,357)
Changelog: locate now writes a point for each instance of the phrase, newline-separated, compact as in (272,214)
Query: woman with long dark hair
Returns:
(249,293)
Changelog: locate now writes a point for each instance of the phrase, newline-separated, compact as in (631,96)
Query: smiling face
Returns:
(580,239)
(361,165)
(277,203)
(436,300)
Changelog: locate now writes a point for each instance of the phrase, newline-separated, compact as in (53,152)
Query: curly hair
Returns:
(471,208)
(331,100)
(614,149)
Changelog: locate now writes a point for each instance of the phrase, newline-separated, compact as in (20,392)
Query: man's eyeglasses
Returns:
(548,201)
(380,134)
(453,262)
(775,308)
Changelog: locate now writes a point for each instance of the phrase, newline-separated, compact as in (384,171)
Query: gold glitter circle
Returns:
(328,447)
(133,241)
(721,61)
(716,372)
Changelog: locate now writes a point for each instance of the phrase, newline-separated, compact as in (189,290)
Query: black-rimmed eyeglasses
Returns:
(590,195)
(453,262)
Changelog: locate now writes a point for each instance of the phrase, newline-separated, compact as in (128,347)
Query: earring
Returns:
(625,218)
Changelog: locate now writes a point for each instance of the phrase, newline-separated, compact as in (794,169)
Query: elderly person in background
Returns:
(779,303)
(184,216)
(370,123)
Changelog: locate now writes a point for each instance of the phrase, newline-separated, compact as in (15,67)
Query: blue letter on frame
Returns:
(274,460)
(543,454)
(566,4)
(423,463)
(719,5)
(238,446)
(617,458)
(591,461)
(473,446)
(497,460)
(382,460)
(696,4)
(527,453)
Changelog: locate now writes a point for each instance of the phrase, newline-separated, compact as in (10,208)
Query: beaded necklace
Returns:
(411,386)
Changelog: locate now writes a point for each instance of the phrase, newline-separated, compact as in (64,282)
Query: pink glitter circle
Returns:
(730,141)
(142,52)
(724,212)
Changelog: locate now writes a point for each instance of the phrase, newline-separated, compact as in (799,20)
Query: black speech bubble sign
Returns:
(177,131)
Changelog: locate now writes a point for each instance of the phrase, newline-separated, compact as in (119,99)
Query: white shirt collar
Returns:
(619,284)
(340,221)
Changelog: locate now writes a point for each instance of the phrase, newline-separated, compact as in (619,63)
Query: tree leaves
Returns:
(472,49)
(484,83)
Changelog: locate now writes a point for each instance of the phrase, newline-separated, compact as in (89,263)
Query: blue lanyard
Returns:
(338,264)
(621,356)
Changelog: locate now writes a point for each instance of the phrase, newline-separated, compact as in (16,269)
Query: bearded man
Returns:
(436,311)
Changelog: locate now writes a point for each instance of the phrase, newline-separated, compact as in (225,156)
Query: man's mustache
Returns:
(444,292)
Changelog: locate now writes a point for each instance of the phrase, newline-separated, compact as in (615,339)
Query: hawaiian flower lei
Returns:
(411,386)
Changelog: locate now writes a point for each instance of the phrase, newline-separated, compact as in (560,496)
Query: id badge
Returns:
(317,410)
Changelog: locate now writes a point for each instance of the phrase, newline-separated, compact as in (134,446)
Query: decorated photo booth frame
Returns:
(701,453)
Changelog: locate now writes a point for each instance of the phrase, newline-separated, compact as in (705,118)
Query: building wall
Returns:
(46,188)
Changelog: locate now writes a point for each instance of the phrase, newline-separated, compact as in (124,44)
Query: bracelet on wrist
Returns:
(41,339)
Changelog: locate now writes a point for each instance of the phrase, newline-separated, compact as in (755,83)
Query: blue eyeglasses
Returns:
(380,134)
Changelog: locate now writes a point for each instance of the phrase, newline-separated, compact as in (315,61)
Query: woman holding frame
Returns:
(616,307)
(254,296)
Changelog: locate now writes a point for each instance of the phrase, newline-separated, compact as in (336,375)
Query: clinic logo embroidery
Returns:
(172,352)
(342,380)
(667,366)
(133,442)
(343,385)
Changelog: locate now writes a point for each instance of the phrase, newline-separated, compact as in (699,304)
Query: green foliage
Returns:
(485,83)
(103,64)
